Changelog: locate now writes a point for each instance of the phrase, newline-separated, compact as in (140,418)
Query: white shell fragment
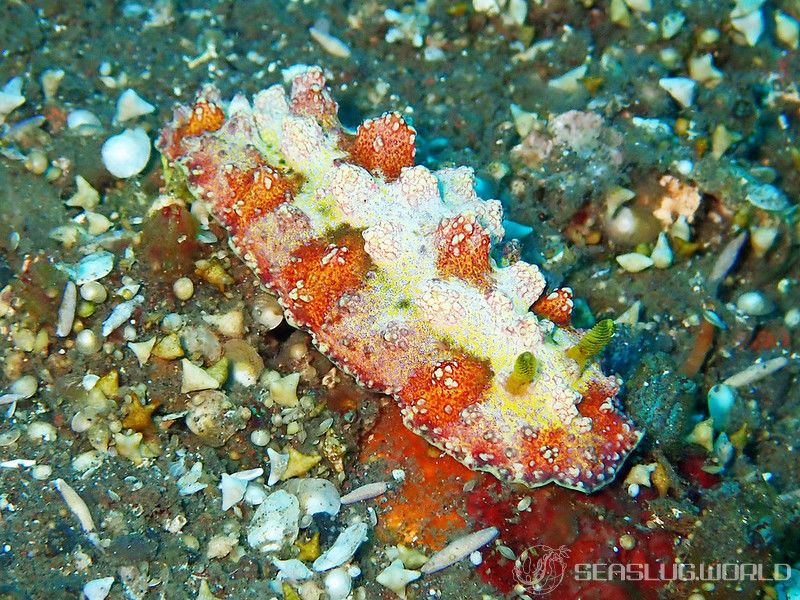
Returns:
(126,154)
(98,589)
(343,548)
(721,399)
(121,313)
(11,97)
(66,311)
(768,197)
(633,262)
(50,80)
(331,44)
(727,258)
(277,465)
(315,496)
(756,372)
(142,350)
(671,24)
(85,197)
(233,490)
(234,486)
(21,389)
(662,253)
(90,268)
(275,523)
(76,504)
(284,390)
(680,88)
(195,379)
(365,492)
(396,577)
(569,81)
(83,122)
(751,26)
(292,569)
(787,29)
(131,105)
(267,312)
(189,482)
(458,549)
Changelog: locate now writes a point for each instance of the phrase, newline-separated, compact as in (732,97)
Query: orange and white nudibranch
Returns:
(389,267)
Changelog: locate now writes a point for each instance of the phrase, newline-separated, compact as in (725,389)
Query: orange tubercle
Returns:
(256,192)
(310,98)
(462,247)
(556,306)
(321,272)
(384,145)
(435,396)
(206,116)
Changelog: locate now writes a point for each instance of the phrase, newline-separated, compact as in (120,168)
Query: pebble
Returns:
(754,304)
(36,162)
(721,399)
(260,437)
(98,589)
(338,584)
(126,154)
(213,418)
(255,493)
(93,291)
(183,288)
(87,342)
(66,311)
(41,431)
(41,472)
(792,318)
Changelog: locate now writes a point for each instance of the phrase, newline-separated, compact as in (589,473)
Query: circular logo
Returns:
(540,569)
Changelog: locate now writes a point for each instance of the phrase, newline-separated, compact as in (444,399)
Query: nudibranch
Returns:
(389,266)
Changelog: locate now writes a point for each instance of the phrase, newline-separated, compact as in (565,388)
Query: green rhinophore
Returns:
(523,373)
(592,343)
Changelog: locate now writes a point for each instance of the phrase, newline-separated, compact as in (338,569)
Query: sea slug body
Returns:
(389,267)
